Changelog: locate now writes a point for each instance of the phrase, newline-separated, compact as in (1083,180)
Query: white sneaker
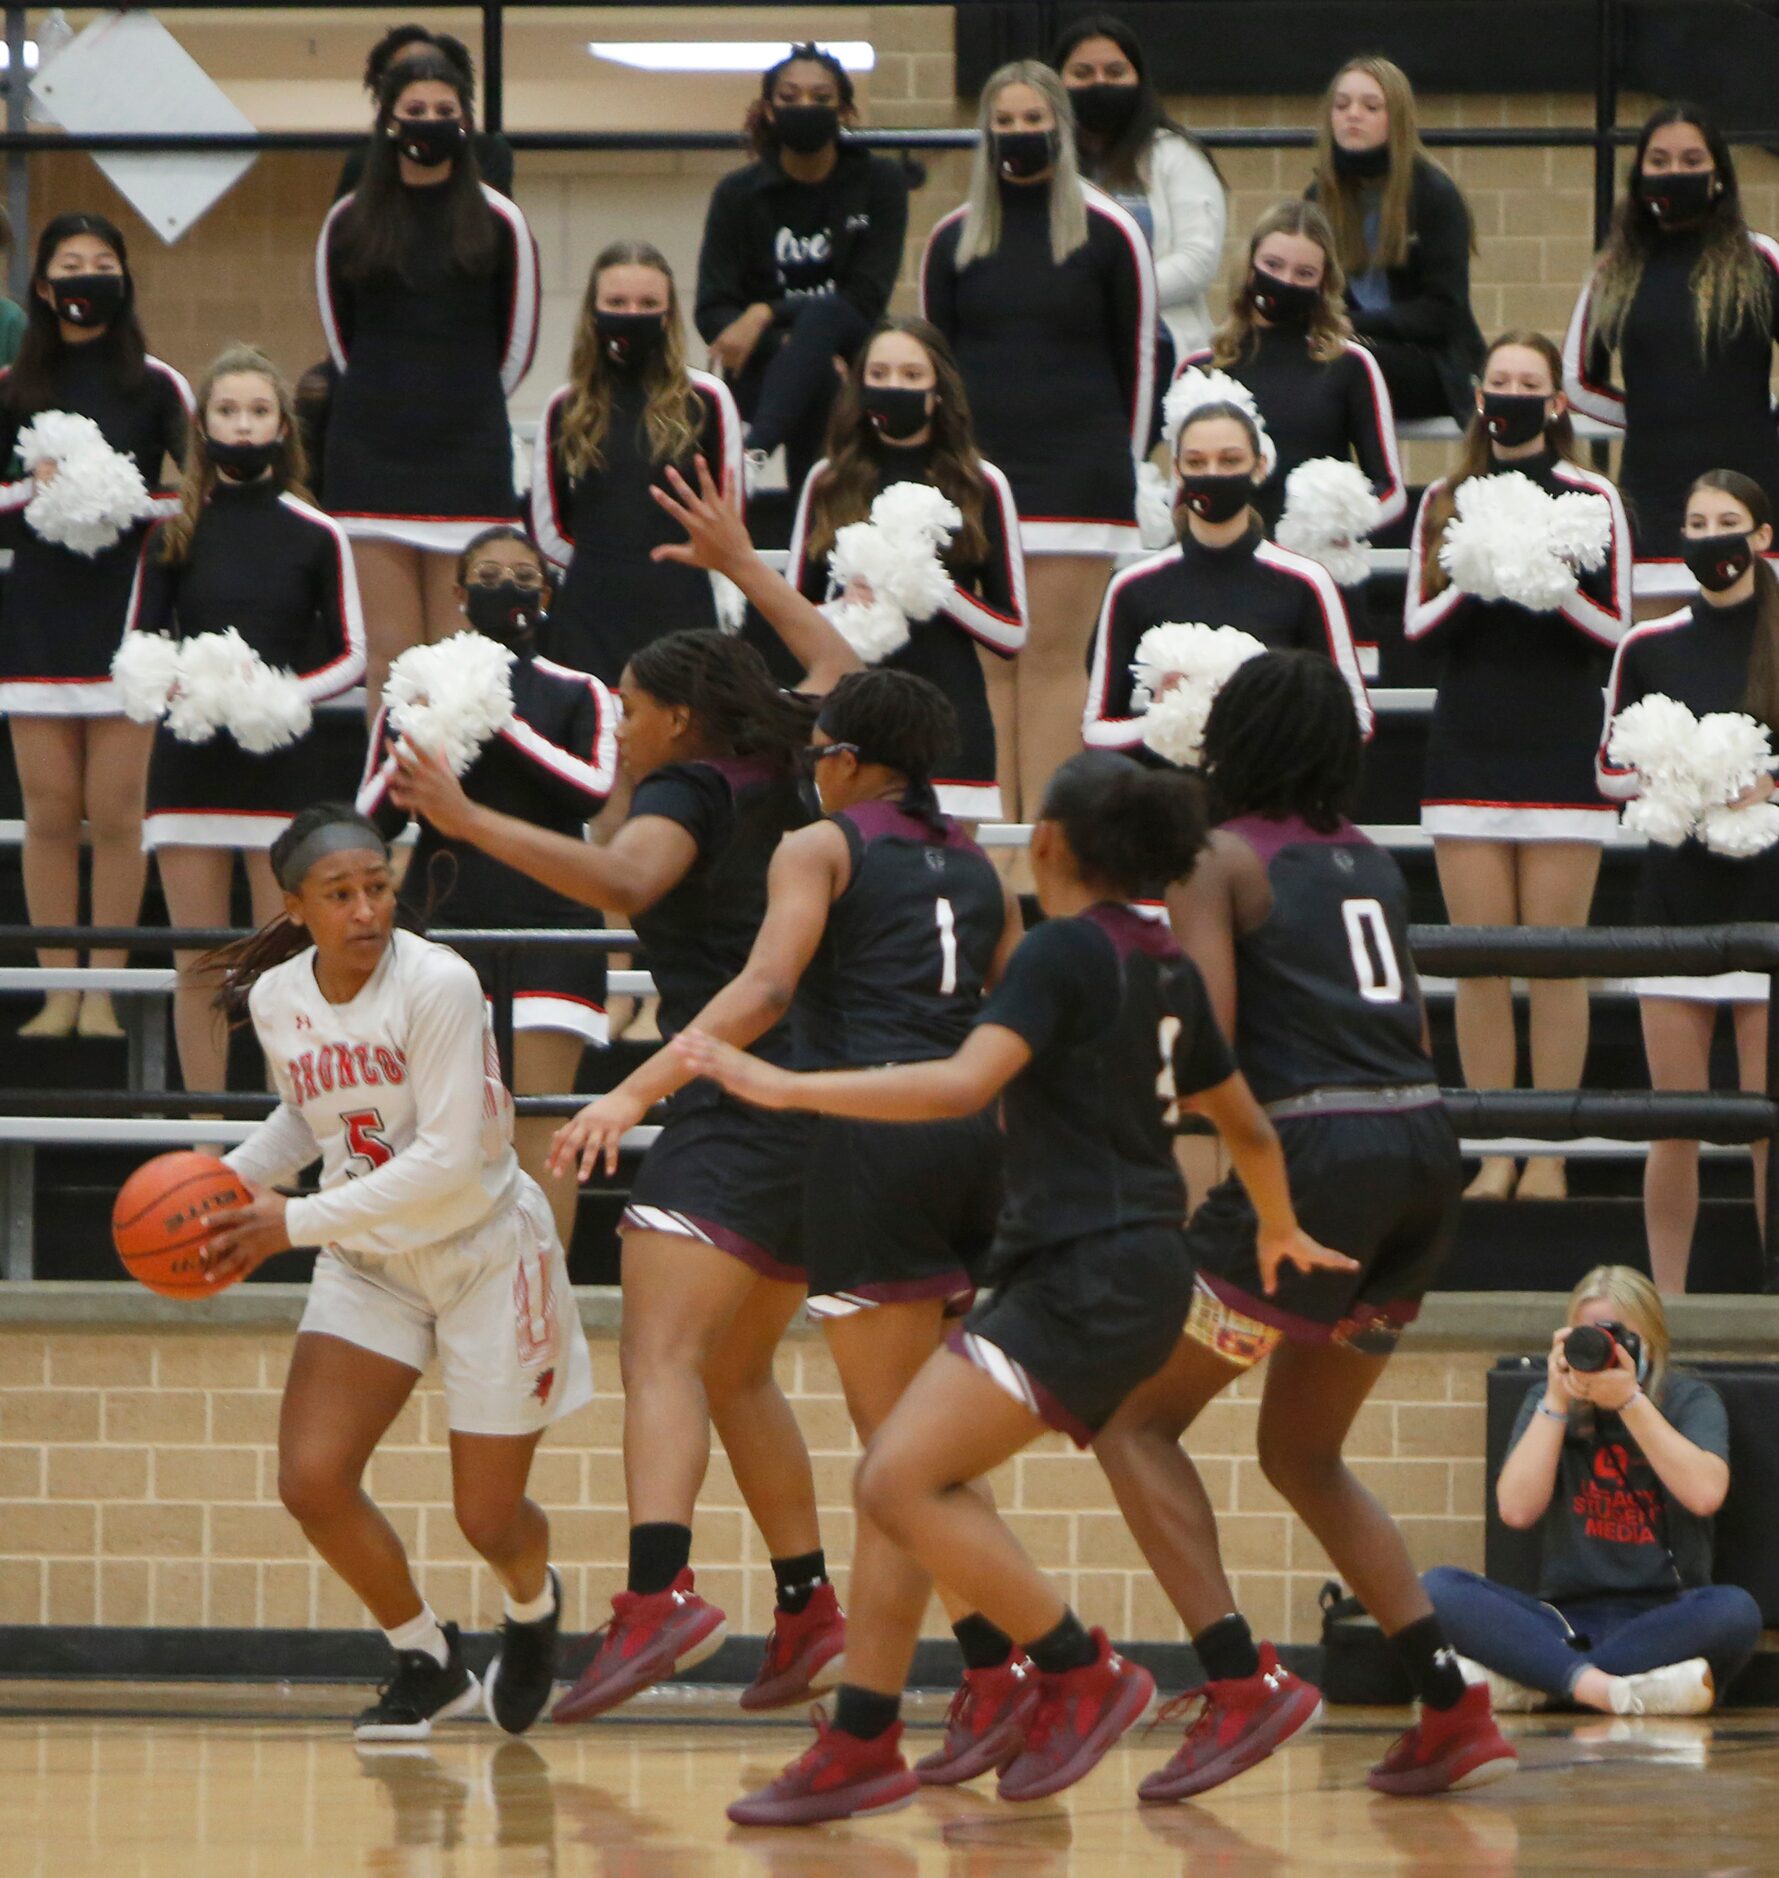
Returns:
(1674,1689)
(1505,1697)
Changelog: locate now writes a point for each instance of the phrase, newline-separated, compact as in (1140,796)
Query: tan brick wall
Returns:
(138,1486)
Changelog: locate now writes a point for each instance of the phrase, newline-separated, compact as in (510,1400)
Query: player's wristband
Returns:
(1555,1415)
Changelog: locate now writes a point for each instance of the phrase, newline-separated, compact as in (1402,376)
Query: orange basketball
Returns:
(162,1215)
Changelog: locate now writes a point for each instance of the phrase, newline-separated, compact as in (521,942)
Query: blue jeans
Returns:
(1536,1644)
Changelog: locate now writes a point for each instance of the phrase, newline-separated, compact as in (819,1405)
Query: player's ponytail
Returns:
(1132,830)
(900,720)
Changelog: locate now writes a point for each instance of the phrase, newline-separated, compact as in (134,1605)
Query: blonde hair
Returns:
(1329,327)
(672,417)
(981,233)
(200,468)
(1638,1306)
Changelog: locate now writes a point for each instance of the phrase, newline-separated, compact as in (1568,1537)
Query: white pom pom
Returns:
(1198,653)
(1174,724)
(1658,819)
(874,629)
(1197,386)
(731,603)
(1155,507)
(212,669)
(1690,771)
(96,493)
(452,696)
(1740,833)
(1329,510)
(146,667)
(1498,544)
(896,554)
(911,512)
(268,710)
(1580,530)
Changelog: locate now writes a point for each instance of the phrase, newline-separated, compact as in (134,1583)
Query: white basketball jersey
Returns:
(399,1091)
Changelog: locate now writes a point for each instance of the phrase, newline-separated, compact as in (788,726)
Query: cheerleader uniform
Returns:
(1288,602)
(1682,413)
(419,446)
(1700,657)
(1509,749)
(601,527)
(986,607)
(1059,363)
(61,613)
(553,765)
(894,1212)
(720,1172)
(280,573)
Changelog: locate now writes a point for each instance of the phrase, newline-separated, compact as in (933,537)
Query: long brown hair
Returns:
(30,384)
(200,468)
(1329,327)
(1729,282)
(672,417)
(854,474)
(1760,695)
(1475,458)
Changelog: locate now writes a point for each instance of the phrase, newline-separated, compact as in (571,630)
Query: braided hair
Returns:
(1282,740)
(725,684)
(900,720)
(1131,829)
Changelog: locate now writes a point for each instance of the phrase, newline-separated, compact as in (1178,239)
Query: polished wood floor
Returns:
(135,1781)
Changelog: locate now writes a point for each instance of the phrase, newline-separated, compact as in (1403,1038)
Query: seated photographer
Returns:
(1620,1463)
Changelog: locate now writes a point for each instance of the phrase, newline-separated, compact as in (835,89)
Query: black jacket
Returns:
(737,267)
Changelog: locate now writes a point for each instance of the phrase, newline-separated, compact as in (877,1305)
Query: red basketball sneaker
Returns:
(651,1636)
(985,1725)
(1447,1749)
(837,1777)
(1080,1714)
(1239,1721)
(805,1654)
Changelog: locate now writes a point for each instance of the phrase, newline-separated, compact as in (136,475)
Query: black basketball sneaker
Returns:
(422,1691)
(523,1672)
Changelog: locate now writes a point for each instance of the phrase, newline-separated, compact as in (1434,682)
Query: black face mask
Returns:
(89,299)
(805,128)
(1021,153)
(1215,498)
(895,411)
(429,141)
(630,338)
(1716,562)
(1677,197)
(1513,417)
(1362,163)
(506,611)
(246,462)
(1104,109)
(1284,302)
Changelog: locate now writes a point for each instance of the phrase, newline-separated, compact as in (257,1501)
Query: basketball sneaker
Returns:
(1674,1689)
(1448,1749)
(805,1654)
(1506,1697)
(651,1636)
(1080,1714)
(985,1725)
(519,1680)
(837,1777)
(422,1691)
(1236,1724)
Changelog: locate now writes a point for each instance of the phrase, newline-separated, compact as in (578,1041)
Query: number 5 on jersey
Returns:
(365,1138)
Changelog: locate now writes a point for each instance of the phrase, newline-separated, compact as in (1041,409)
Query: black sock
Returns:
(1226,1649)
(1431,1665)
(659,1552)
(863,1713)
(1066,1647)
(798,1577)
(984,1646)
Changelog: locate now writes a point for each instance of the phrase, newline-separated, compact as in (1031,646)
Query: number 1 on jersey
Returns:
(947,946)
(1375,964)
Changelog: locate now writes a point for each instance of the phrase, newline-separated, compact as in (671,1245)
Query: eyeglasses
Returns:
(814,753)
(492,574)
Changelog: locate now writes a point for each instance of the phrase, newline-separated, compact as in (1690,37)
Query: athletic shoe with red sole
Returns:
(1447,1750)
(1240,1721)
(805,1655)
(1081,1713)
(651,1636)
(838,1777)
(985,1725)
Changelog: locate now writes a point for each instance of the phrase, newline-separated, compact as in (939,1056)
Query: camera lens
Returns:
(1589,1348)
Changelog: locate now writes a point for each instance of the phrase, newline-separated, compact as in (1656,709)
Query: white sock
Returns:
(421,1633)
(530,1612)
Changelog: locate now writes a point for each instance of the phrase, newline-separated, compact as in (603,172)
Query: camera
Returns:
(1590,1347)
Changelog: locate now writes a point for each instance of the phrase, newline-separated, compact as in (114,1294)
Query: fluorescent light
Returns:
(30,56)
(722,55)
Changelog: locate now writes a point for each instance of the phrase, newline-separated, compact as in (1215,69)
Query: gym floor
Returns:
(219,1781)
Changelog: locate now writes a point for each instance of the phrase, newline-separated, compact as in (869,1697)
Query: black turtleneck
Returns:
(1698,656)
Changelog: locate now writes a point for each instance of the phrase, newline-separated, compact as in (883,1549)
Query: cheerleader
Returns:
(1224,572)
(1685,295)
(1508,793)
(904,416)
(246,550)
(403,44)
(432,1241)
(428,288)
(631,406)
(1719,654)
(1092,1275)
(1403,237)
(553,767)
(62,614)
(1044,290)
(1299,926)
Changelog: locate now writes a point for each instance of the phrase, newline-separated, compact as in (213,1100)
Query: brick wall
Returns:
(138,1486)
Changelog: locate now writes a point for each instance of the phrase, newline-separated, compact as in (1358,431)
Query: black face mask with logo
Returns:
(1716,562)
(1214,498)
(896,412)
(507,612)
(1283,302)
(1676,198)
(89,299)
(1021,154)
(1513,417)
(630,338)
(429,141)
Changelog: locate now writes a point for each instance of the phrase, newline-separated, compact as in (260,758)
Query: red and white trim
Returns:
(435,534)
(181,385)
(1142,406)
(926,253)
(1393,496)
(1621,784)
(1719,988)
(557,1010)
(1421,616)
(212,828)
(1100,729)
(1000,632)
(1014,1379)
(1606,625)
(522,309)
(549,497)
(1045,534)
(1336,627)
(728,466)
(324,285)
(1519,821)
(346,667)
(593,775)
(60,697)
(1603,402)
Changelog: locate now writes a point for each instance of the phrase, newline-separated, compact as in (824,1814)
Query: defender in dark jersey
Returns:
(1099,1022)
(1299,926)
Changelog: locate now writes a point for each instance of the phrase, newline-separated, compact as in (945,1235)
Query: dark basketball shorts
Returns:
(1382,1188)
(1072,1330)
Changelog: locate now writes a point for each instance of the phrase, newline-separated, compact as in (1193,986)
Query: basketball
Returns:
(161,1215)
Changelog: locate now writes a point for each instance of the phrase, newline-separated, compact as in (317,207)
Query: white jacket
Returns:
(1190,212)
